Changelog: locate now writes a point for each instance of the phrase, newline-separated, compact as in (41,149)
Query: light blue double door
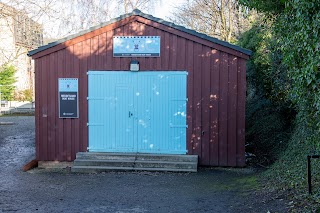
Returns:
(137,112)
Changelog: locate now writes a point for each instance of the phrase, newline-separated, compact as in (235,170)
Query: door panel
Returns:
(143,120)
(168,101)
(123,123)
(177,111)
(97,117)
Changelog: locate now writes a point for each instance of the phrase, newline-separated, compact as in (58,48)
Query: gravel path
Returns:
(39,190)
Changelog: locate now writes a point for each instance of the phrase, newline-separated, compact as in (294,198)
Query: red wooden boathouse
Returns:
(215,88)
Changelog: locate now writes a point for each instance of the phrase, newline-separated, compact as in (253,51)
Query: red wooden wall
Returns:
(216,89)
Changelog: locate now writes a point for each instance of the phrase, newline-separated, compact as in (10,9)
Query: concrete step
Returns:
(97,162)
(135,163)
(136,156)
(99,169)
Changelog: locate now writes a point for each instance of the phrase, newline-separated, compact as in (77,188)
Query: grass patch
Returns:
(248,182)
(288,175)
(239,180)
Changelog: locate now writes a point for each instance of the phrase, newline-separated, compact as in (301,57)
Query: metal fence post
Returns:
(309,174)
(309,157)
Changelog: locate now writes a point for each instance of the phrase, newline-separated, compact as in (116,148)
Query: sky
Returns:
(53,28)
(165,7)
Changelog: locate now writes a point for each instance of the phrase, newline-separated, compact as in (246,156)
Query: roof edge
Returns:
(137,12)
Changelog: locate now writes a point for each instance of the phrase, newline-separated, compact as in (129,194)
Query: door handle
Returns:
(130,114)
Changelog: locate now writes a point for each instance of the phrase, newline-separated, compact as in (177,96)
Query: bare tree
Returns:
(19,33)
(129,5)
(61,18)
(223,19)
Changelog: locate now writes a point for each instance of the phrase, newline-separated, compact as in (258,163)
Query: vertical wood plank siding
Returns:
(38,85)
(216,92)
(214,106)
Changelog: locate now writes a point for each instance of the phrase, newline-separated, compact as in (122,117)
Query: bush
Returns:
(268,115)
(269,129)
(7,79)
(24,95)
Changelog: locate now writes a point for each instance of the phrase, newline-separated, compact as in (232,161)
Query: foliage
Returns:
(265,68)
(293,62)
(268,117)
(28,95)
(265,6)
(299,42)
(7,79)
(268,130)
(223,19)
(289,175)
(258,39)
(24,95)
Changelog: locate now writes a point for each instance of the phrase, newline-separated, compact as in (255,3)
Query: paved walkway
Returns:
(38,190)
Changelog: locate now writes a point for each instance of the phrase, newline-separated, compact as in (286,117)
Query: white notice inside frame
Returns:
(136,46)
